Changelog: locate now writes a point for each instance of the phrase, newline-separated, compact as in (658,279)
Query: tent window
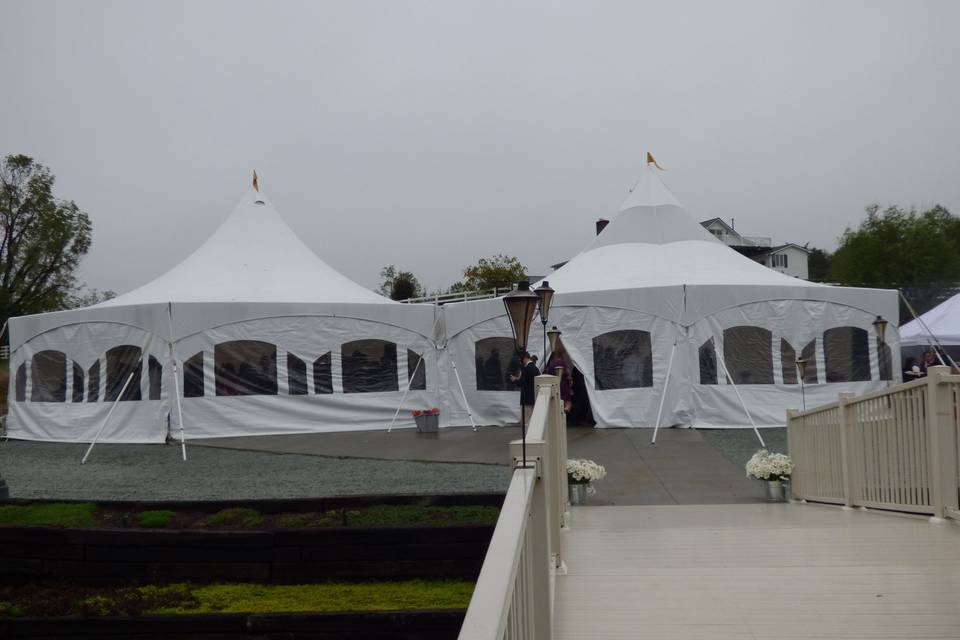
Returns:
(809,353)
(846,354)
(369,366)
(49,377)
(748,354)
(77,383)
(418,382)
(708,363)
(93,382)
(21,383)
(495,359)
(323,374)
(622,360)
(296,376)
(788,362)
(155,376)
(193,376)
(885,358)
(245,368)
(122,362)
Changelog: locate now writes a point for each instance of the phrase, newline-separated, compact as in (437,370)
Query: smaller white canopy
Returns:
(943,321)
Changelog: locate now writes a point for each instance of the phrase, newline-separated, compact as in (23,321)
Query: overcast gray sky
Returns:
(430,134)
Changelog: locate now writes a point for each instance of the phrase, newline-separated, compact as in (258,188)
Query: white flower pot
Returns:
(774,490)
(578,492)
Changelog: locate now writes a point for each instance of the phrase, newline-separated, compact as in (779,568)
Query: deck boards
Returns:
(757,571)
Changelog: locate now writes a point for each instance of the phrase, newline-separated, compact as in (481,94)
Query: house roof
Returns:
(707,223)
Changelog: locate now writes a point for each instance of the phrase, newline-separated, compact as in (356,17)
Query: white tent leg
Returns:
(663,396)
(742,403)
(404,396)
(463,395)
(176,385)
(109,413)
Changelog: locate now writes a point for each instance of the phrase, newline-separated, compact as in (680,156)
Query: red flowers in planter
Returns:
(426,412)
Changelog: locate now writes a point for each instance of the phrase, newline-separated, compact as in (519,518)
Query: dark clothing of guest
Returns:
(566,380)
(528,395)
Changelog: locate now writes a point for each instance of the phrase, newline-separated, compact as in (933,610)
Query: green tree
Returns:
(818,265)
(399,285)
(496,271)
(43,240)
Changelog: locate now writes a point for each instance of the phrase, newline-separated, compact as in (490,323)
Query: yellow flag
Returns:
(650,160)
(256,183)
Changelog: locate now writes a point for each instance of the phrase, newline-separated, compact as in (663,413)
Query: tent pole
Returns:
(742,403)
(463,395)
(110,413)
(932,339)
(176,384)
(663,395)
(404,396)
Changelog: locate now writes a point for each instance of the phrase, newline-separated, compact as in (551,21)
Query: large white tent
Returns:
(266,336)
(939,326)
(655,286)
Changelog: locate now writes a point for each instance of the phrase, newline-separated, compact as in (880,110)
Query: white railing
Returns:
(896,449)
(514,594)
(463,296)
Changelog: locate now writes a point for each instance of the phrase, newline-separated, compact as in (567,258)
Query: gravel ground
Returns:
(156,472)
(737,445)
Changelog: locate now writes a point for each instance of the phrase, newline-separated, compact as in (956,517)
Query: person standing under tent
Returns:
(558,361)
(526,377)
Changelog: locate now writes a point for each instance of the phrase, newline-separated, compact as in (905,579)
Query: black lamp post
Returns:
(880,326)
(521,305)
(544,298)
(802,371)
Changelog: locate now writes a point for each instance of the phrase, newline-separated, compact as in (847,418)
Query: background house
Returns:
(789,258)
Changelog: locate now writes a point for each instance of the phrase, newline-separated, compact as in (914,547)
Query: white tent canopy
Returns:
(943,321)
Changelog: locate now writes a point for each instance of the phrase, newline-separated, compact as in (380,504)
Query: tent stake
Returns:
(663,396)
(110,413)
(176,384)
(742,403)
(405,392)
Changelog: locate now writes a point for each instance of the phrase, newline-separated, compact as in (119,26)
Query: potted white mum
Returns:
(581,474)
(773,469)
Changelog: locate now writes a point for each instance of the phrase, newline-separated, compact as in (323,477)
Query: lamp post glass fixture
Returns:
(880,326)
(545,298)
(554,337)
(521,304)
(802,371)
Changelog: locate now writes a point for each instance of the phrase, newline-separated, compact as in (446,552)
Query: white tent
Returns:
(943,322)
(655,278)
(267,338)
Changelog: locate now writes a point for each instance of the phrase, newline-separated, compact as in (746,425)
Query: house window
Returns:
(296,376)
(49,377)
(708,363)
(496,359)
(93,382)
(622,360)
(77,383)
(21,383)
(415,363)
(123,363)
(846,354)
(748,354)
(245,368)
(323,374)
(154,378)
(193,376)
(369,366)
(788,362)
(780,260)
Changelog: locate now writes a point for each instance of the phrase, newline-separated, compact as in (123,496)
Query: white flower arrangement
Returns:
(580,471)
(765,465)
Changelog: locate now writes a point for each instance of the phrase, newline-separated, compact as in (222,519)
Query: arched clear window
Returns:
(788,362)
(418,380)
(846,354)
(885,360)
(369,366)
(93,382)
(296,376)
(49,377)
(323,374)
(193,376)
(21,383)
(123,363)
(748,354)
(154,378)
(496,359)
(809,353)
(245,368)
(77,383)
(622,360)
(708,362)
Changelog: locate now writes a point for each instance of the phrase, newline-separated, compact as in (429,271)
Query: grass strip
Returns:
(57,514)
(394,515)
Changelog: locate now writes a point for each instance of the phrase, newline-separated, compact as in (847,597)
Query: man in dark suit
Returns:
(528,396)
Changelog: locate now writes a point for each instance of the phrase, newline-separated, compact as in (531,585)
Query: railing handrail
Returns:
(867,396)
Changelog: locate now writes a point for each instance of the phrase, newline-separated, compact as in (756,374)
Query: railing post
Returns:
(941,450)
(792,448)
(846,447)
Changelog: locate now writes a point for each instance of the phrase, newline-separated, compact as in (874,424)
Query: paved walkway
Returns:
(757,571)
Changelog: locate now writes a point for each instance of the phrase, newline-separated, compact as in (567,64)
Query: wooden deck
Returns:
(757,571)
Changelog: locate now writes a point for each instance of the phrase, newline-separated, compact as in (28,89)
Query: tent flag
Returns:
(256,183)
(650,160)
